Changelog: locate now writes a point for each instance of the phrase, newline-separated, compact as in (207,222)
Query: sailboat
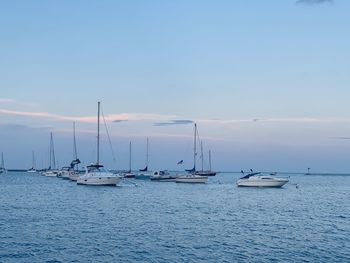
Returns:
(2,167)
(192,177)
(32,169)
(95,174)
(51,171)
(129,173)
(144,175)
(74,173)
(207,172)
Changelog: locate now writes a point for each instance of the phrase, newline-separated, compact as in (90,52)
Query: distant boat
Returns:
(260,180)
(207,172)
(32,169)
(129,173)
(192,177)
(163,176)
(144,175)
(2,167)
(51,171)
(95,173)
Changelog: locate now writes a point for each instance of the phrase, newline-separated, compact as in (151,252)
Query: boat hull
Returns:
(98,180)
(143,176)
(50,174)
(74,176)
(192,179)
(205,173)
(164,179)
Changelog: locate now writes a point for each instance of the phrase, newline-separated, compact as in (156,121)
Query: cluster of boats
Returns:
(96,174)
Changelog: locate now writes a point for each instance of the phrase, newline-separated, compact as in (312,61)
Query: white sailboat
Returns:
(95,173)
(74,173)
(192,177)
(2,167)
(32,169)
(51,171)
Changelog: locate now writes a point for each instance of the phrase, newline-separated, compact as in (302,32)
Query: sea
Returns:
(48,219)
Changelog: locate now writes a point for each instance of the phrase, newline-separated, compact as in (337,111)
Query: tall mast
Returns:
(2,161)
(147,155)
(195,146)
(75,154)
(98,133)
(50,152)
(209,160)
(202,154)
(33,160)
(130,157)
(53,153)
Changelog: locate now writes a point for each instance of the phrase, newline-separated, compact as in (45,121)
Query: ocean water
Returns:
(45,219)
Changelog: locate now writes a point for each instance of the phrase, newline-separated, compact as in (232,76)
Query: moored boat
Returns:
(163,176)
(260,180)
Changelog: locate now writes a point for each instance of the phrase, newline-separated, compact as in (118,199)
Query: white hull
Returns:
(259,182)
(63,174)
(98,179)
(192,179)
(74,176)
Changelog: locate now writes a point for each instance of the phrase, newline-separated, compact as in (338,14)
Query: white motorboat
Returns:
(191,178)
(95,174)
(163,176)
(50,173)
(64,172)
(260,180)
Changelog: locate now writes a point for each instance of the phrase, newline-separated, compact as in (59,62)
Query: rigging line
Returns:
(109,138)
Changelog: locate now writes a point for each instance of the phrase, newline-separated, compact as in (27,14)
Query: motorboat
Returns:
(64,173)
(260,180)
(191,178)
(163,176)
(96,175)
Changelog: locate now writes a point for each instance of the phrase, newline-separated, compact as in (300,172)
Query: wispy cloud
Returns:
(16,102)
(312,2)
(173,122)
(90,119)
(341,138)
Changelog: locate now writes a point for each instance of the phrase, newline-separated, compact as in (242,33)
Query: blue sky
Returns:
(266,81)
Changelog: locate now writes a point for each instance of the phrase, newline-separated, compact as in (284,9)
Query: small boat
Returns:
(191,178)
(95,174)
(163,176)
(207,172)
(2,167)
(64,172)
(129,173)
(51,171)
(32,169)
(260,180)
(144,175)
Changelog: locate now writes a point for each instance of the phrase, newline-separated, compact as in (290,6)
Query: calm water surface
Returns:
(46,219)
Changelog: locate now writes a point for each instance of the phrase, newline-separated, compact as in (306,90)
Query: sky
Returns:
(267,82)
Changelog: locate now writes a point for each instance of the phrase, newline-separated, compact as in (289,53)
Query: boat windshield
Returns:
(96,168)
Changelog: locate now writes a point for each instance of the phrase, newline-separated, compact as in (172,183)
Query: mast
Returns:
(33,161)
(2,161)
(53,153)
(195,147)
(50,151)
(75,154)
(98,133)
(202,154)
(147,155)
(209,160)
(130,157)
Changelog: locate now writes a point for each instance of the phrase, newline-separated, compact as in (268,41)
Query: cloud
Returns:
(312,2)
(90,119)
(173,122)
(118,121)
(19,103)
(341,138)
